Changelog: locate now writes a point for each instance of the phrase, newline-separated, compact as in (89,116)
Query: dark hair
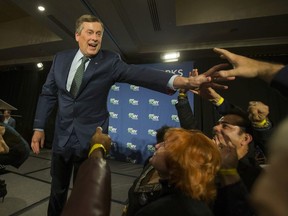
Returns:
(161,132)
(245,122)
(1,116)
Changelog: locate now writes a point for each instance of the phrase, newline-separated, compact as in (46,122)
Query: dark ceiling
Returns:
(141,30)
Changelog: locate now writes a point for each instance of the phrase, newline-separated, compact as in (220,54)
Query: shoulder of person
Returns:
(109,53)
(67,52)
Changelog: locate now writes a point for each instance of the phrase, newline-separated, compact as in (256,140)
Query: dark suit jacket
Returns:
(89,109)
(19,149)
(12,122)
(280,81)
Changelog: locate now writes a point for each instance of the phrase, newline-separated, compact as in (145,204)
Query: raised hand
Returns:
(258,111)
(102,139)
(247,67)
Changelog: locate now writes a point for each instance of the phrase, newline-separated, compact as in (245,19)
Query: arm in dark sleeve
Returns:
(91,194)
(261,136)
(185,114)
(232,200)
(280,81)
(224,108)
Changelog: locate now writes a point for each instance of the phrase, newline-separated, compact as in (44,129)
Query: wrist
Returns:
(269,70)
(182,95)
(217,101)
(97,146)
(262,124)
(230,171)
(228,176)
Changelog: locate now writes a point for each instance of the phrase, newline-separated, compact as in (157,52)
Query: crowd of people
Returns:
(14,149)
(189,173)
(241,186)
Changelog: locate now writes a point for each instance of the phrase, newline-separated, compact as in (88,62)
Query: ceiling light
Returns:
(170,57)
(41,8)
(171,60)
(40,65)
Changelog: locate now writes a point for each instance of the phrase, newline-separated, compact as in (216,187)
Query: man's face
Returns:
(228,129)
(6,114)
(90,38)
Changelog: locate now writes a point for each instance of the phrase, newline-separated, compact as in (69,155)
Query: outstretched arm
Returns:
(247,67)
(91,194)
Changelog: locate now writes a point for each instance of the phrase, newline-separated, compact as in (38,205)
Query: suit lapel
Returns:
(67,61)
(90,70)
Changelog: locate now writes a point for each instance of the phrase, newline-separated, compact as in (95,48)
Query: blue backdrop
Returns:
(136,113)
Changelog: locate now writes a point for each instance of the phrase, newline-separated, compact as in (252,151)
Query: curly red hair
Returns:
(193,161)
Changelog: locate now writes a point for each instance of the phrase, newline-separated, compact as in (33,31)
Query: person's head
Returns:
(7,113)
(189,160)
(269,195)
(236,127)
(160,133)
(1,116)
(88,33)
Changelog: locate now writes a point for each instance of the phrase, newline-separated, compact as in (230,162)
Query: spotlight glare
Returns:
(172,55)
(40,65)
(41,8)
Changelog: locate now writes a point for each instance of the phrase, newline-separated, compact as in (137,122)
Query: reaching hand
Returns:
(37,141)
(206,90)
(258,111)
(247,67)
(193,82)
(100,138)
(228,151)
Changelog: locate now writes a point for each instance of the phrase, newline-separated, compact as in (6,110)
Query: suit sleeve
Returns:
(146,77)
(185,114)
(46,100)
(280,81)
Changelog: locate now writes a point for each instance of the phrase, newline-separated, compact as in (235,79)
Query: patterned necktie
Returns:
(77,80)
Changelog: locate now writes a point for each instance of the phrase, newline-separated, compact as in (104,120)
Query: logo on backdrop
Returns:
(174,101)
(114,101)
(112,129)
(175,118)
(154,102)
(131,146)
(115,88)
(133,116)
(134,88)
(175,72)
(132,131)
(152,132)
(113,115)
(133,102)
(153,117)
(151,148)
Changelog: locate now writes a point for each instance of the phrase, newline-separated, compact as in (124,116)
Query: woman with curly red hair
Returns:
(187,162)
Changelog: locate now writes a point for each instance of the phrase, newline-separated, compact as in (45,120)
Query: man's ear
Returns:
(247,139)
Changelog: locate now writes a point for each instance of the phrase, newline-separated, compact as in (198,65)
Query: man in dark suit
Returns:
(80,113)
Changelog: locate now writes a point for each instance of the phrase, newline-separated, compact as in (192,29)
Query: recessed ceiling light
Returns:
(41,8)
(170,57)
(40,65)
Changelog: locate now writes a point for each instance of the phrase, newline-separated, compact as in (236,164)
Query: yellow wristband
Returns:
(220,101)
(182,94)
(95,146)
(260,124)
(232,171)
